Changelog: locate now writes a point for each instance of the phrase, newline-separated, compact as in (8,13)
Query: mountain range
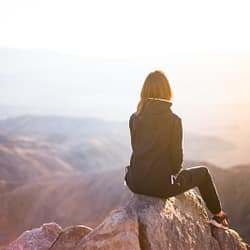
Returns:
(70,170)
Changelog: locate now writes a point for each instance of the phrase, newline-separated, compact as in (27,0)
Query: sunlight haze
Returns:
(125,28)
(90,58)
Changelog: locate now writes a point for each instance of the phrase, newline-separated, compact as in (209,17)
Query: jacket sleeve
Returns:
(176,146)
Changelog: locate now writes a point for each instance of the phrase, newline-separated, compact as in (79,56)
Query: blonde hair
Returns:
(156,85)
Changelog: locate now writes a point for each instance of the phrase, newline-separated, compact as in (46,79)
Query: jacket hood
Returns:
(157,106)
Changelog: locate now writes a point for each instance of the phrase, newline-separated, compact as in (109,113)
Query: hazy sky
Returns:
(126,28)
(107,47)
(203,46)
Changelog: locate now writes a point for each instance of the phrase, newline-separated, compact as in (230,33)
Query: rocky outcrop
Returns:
(40,238)
(70,237)
(50,236)
(118,231)
(146,223)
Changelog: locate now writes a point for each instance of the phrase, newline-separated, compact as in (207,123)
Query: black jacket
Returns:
(156,140)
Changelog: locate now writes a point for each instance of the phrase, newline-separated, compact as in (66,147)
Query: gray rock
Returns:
(117,231)
(70,237)
(37,239)
(147,223)
(228,238)
(177,223)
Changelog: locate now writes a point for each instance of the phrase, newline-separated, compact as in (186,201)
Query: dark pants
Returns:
(197,177)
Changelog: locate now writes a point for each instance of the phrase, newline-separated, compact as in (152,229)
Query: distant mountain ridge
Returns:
(88,135)
(48,162)
(23,158)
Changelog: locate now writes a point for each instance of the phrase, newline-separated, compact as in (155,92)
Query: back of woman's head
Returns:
(156,85)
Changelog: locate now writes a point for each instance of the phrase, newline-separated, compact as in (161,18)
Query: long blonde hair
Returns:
(156,85)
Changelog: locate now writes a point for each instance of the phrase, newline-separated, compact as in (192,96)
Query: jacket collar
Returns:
(159,99)
(157,106)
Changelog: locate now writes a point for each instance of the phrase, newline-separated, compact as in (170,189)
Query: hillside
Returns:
(22,158)
(48,162)
(66,199)
(81,140)
(95,143)
(90,197)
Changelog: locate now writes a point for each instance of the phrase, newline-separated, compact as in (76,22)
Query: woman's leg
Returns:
(199,177)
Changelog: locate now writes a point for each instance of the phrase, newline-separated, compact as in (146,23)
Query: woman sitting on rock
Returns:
(157,154)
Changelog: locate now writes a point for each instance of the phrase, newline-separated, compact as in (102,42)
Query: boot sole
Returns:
(216,224)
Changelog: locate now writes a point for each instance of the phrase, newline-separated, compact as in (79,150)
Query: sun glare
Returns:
(128,28)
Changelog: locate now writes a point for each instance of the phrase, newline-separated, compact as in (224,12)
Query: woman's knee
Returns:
(205,172)
(202,170)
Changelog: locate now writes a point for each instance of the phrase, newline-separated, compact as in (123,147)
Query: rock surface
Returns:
(70,237)
(37,239)
(118,231)
(146,223)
